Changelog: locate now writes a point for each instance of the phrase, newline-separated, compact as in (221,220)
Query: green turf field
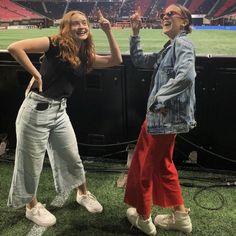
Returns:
(74,220)
(215,42)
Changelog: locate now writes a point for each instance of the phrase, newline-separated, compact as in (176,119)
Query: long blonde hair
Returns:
(76,53)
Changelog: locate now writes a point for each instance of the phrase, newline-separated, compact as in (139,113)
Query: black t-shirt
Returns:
(58,76)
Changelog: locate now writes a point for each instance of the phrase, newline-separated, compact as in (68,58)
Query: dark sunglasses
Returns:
(170,14)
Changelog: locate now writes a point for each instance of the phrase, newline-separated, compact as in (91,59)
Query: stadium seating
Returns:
(123,9)
(195,5)
(228,4)
(144,5)
(6,15)
(11,10)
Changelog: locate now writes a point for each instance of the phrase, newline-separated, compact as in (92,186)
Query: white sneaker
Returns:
(146,226)
(89,201)
(40,215)
(176,221)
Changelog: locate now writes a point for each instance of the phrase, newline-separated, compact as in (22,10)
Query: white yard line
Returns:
(37,230)
(58,201)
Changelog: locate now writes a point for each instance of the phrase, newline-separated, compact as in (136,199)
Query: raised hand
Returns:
(136,22)
(104,23)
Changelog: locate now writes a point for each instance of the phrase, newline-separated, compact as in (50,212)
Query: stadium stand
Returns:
(6,15)
(144,5)
(195,5)
(206,7)
(120,10)
(85,7)
(14,11)
(225,7)
(50,9)
(15,15)
(110,9)
(127,8)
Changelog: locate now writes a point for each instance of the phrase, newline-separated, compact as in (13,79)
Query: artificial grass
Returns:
(73,219)
(214,42)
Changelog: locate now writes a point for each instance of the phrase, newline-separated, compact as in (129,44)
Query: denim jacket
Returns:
(173,85)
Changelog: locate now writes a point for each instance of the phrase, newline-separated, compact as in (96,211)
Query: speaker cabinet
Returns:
(219,127)
(137,90)
(108,107)
(97,110)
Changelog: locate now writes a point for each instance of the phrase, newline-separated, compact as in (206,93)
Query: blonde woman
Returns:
(42,123)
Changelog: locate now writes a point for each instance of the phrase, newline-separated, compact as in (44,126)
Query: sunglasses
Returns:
(170,14)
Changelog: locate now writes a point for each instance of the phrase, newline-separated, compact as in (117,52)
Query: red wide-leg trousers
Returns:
(152,177)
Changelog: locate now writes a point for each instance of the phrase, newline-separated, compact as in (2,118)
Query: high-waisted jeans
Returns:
(42,125)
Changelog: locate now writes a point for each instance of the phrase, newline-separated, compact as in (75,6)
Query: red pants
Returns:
(152,177)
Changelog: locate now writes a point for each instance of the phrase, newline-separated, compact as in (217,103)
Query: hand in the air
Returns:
(136,22)
(104,23)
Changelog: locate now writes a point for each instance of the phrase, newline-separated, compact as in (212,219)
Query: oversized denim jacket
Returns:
(173,85)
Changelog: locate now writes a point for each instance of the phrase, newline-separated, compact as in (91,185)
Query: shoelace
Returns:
(136,223)
(90,199)
(187,210)
(170,218)
(91,196)
(39,210)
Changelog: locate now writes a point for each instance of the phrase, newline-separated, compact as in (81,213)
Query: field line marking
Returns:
(58,201)
(37,230)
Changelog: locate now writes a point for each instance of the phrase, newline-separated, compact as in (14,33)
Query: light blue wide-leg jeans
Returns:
(37,132)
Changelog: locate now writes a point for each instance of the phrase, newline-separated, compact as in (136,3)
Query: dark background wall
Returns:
(108,107)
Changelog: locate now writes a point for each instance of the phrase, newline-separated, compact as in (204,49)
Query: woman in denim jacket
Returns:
(153,178)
